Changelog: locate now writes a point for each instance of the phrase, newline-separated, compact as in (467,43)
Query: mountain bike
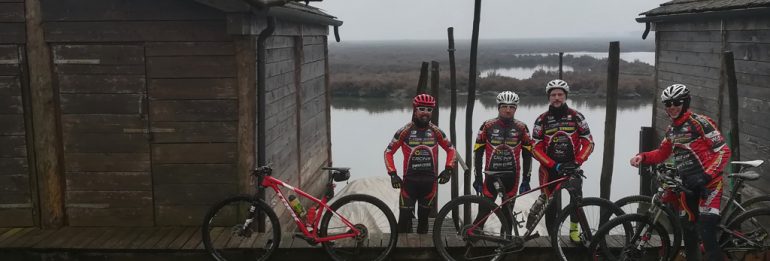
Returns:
(352,227)
(485,229)
(729,211)
(649,239)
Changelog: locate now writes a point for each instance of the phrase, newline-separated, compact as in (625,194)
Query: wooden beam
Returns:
(246,63)
(47,134)
(613,70)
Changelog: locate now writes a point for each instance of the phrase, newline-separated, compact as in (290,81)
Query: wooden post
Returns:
(609,122)
(646,143)
(732,90)
(423,82)
(45,119)
(246,62)
(452,116)
(471,101)
(434,84)
(434,88)
(561,63)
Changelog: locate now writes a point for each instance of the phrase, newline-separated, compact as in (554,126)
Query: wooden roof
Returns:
(701,6)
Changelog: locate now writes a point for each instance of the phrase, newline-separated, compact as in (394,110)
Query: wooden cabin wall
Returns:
(296,109)
(146,94)
(690,53)
(147,100)
(17,191)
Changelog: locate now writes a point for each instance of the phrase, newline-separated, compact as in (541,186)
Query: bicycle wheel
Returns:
(226,235)
(454,243)
(592,213)
(748,234)
(641,204)
(762,201)
(643,241)
(369,215)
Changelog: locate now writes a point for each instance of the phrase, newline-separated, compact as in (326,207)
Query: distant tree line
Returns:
(392,70)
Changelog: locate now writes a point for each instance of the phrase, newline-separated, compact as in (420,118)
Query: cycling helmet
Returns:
(675,92)
(508,97)
(424,100)
(557,83)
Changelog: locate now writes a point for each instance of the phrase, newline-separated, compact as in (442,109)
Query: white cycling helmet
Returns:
(508,97)
(557,83)
(675,92)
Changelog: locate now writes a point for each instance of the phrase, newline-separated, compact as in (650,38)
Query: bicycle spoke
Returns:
(373,225)
(226,231)
(477,238)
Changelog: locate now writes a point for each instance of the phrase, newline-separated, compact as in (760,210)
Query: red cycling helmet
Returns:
(424,100)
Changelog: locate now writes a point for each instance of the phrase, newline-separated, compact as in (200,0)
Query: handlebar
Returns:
(668,179)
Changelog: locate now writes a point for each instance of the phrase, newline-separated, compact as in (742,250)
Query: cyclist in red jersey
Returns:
(699,153)
(503,144)
(562,140)
(419,141)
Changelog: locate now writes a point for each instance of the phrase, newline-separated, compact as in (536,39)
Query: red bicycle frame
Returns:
(504,202)
(275,184)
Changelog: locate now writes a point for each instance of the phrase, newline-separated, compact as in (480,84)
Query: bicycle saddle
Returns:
(753,163)
(335,168)
(748,175)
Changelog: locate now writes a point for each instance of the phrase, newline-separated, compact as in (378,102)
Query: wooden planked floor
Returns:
(183,238)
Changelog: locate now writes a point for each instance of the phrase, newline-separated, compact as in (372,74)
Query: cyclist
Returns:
(699,154)
(562,141)
(503,144)
(419,141)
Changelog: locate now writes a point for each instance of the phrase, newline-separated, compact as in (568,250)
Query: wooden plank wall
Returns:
(148,104)
(690,54)
(297,143)
(106,150)
(193,106)
(16,199)
(147,96)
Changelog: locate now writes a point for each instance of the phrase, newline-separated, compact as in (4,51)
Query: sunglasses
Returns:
(425,109)
(673,103)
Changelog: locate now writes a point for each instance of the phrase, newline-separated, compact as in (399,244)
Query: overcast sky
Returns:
(500,19)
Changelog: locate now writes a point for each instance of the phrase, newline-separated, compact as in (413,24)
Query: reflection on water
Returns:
(522,73)
(361,128)
(485,100)
(645,57)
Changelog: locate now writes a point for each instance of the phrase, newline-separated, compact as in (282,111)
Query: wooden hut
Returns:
(690,37)
(144,113)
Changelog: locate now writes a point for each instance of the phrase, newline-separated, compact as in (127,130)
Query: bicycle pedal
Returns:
(309,240)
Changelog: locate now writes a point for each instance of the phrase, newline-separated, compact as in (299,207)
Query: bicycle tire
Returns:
(338,249)
(561,243)
(626,239)
(673,226)
(746,225)
(443,239)
(241,240)
(762,201)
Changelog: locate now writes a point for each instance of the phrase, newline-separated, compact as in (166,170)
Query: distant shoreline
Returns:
(392,68)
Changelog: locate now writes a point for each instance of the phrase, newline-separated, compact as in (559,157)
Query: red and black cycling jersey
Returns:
(562,138)
(420,148)
(502,144)
(696,145)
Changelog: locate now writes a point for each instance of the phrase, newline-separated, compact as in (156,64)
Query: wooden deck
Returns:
(164,243)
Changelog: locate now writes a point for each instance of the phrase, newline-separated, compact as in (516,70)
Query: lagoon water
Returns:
(362,128)
(522,73)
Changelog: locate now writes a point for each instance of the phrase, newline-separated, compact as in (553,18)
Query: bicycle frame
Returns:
(505,202)
(276,184)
